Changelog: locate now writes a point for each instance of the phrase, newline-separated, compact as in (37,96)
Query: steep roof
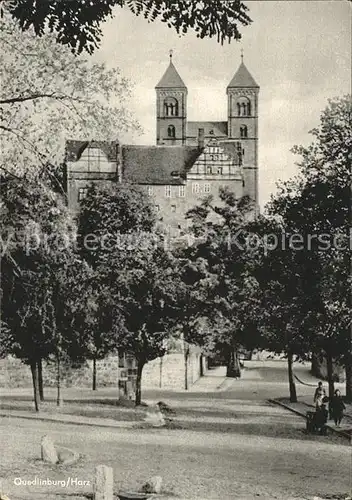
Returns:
(242,78)
(211,129)
(157,164)
(171,78)
(74,149)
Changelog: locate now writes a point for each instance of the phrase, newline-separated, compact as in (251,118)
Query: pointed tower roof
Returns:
(171,78)
(242,78)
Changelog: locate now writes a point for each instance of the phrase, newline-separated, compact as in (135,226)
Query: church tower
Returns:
(242,117)
(171,108)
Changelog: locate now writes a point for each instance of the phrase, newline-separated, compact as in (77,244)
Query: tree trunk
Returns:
(348,370)
(186,357)
(330,370)
(161,372)
(201,366)
(34,370)
(233,366)
(94,386)
(58,381)
(40,379)
(140,365)
(291,380)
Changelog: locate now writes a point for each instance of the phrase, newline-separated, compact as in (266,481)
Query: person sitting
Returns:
(321,417)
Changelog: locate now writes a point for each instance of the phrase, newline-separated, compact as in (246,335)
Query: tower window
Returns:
(243,107)
(171,131)
(243,131)
(170,106)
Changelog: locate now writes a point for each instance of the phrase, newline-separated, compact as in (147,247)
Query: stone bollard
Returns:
(154,417)
(103,488)
(153,485)
(49,453)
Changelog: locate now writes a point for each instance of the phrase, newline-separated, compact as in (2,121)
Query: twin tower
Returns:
(242,113)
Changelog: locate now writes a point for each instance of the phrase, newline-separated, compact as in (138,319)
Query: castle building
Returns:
(190,159)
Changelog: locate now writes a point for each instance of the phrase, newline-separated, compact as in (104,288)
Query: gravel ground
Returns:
(221,446)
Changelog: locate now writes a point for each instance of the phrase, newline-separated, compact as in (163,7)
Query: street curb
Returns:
(300,414)
(39,418)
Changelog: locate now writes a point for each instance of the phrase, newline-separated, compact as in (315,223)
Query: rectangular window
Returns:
(209,170)
(220,170)
(82,193)
(121,360)
(206,188)
(173,208)
(181,191)
(150,190)
(157,208)
(195,188)
(168,191)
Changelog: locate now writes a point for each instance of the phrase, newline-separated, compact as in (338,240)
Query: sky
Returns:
(299,52)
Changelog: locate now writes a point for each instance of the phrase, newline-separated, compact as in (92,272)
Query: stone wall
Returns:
(167,372)
(14,373)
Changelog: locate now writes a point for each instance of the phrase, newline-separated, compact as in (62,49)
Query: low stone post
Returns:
(49,453)
(103,488)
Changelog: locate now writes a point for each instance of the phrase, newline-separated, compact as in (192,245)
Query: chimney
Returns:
(201,138)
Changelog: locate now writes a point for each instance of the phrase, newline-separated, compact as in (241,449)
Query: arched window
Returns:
(171,132)
(243,106)
(243,131)
(170,106)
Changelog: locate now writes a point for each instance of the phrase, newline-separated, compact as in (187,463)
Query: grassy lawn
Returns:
(119,410)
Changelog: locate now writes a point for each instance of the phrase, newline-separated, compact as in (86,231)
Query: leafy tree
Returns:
(91,330)
(110,213)
(77,23)
(187,308)
(131,272)
(231,291)
(140,281)
(317,206)
(68,96)
(36,235)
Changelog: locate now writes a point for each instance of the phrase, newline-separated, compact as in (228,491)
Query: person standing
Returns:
(319,395)
(337,406)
